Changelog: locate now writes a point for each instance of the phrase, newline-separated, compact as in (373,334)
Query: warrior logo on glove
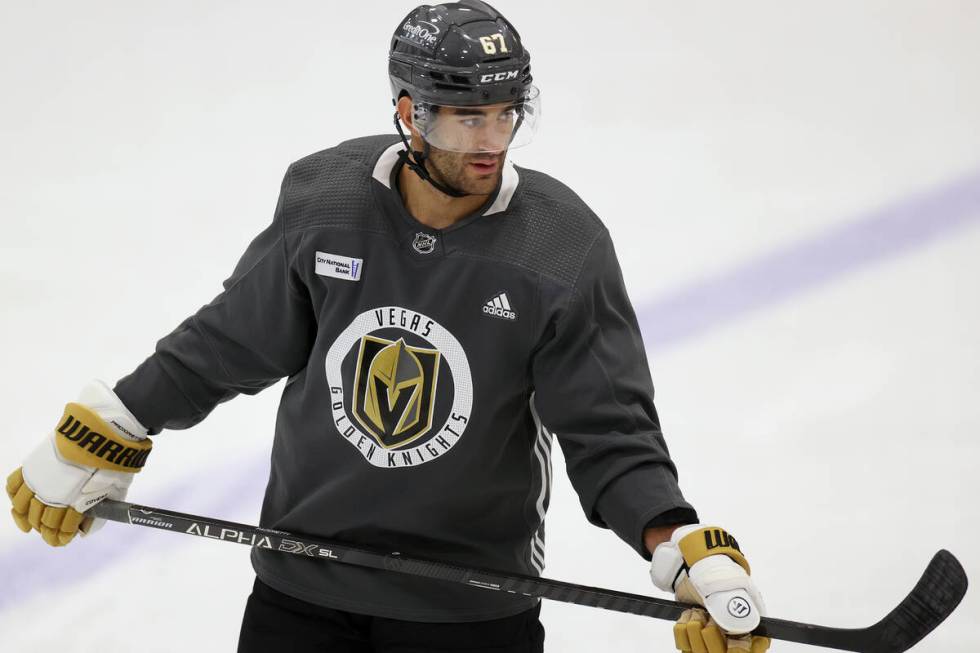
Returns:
(94,447)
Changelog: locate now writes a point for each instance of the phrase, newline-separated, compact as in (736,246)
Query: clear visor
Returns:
(485,128)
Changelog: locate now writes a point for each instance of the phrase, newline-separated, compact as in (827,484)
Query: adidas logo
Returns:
(499,306)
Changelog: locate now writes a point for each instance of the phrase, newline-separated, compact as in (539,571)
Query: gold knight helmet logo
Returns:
(394,389)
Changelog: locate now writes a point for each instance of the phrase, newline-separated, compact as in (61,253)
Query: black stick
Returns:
(936,595)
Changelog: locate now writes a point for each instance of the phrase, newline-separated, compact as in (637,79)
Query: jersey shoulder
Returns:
(332,187)
(547,229)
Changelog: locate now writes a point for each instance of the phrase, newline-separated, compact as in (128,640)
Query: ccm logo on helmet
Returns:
(498,77)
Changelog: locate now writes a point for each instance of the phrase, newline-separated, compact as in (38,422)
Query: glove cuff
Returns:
(99,432)
(100,399)
(668,561)
(699,542)
(687,546)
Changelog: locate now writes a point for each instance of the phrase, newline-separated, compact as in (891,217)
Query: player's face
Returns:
(474,143)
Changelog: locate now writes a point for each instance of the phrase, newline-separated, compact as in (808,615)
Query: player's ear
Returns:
(404,108)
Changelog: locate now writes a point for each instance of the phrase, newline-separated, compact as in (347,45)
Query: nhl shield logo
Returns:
(393,390)
(424,243)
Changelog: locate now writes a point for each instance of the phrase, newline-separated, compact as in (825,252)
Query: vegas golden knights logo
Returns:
(401,390)
(394,390)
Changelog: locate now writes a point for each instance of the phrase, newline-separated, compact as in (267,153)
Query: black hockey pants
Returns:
(275,622)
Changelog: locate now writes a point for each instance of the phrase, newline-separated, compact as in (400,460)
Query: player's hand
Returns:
(92,454)
(704,566)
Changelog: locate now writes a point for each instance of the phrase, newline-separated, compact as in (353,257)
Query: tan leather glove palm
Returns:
(57,525)
(697,632)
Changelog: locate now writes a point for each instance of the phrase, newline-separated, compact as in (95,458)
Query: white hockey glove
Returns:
(92,454)
(704,566)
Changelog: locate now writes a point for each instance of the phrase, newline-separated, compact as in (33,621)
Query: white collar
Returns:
(388,159)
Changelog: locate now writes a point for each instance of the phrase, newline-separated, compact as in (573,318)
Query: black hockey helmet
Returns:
(462,55)
(458,54)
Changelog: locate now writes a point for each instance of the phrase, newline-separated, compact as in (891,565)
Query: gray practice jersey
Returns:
(428,372)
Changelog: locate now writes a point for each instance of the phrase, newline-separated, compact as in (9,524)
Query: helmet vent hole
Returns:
(451,87)
(459,79)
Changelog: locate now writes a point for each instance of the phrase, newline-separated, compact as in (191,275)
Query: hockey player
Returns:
(441,314)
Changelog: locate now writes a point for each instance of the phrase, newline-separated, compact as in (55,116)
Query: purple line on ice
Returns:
(30,568)
(718,300)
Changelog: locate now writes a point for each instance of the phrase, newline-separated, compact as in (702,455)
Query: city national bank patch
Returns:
(339,267)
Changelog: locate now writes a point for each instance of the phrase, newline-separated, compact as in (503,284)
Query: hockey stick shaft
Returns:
(943,580)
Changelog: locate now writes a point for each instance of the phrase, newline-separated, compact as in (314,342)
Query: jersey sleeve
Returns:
(258,330)
(593,391)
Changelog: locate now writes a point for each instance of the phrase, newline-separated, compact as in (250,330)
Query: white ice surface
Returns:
(142,148)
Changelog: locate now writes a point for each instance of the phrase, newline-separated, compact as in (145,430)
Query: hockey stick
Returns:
(936,595)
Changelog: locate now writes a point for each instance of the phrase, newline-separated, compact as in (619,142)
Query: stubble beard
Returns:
(452,169)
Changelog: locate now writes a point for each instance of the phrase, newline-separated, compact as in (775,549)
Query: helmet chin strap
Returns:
(416,161)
